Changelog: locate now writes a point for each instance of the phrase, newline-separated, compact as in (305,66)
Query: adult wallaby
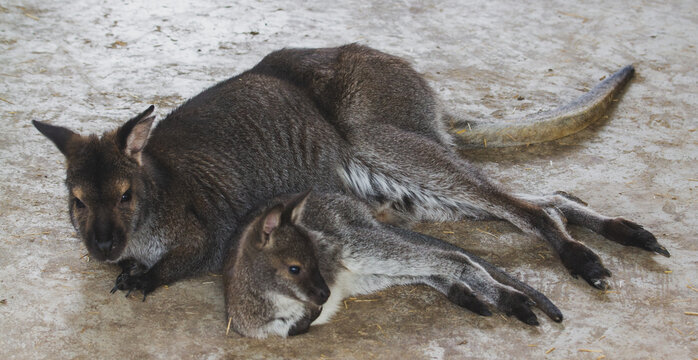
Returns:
(276,280)
(346,119)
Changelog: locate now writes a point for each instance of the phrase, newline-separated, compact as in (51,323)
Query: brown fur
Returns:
(348,119)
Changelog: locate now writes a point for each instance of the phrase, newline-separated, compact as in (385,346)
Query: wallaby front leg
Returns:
(174,266)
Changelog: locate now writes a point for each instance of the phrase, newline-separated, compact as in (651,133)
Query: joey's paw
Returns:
(629,233)
(130,283)
(463,297)
(303,325)
(519,305)
(581,261)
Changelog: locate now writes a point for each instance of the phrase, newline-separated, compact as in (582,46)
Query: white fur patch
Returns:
(287,312)
(339,290)
(429,205)
(147,247)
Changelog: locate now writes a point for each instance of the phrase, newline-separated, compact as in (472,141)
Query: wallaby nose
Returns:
(103,237)
(322,294)
(318,287)
(104,247)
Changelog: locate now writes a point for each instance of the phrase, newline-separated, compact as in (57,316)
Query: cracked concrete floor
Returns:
(91,65)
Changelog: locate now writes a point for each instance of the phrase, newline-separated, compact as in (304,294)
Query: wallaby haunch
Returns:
(348,119)
(276,281)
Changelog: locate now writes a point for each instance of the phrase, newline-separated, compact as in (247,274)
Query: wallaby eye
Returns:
(295,270)
(79,204)
(126,197)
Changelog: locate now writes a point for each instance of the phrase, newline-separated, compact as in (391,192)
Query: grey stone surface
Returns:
(91,65)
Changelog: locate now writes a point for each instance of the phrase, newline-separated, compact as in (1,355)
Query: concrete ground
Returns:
(91,65)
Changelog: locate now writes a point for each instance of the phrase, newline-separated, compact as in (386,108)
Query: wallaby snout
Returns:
(106,239)
(319,292)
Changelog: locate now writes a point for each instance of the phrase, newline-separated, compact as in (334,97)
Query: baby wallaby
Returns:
(277,280)
(273,283)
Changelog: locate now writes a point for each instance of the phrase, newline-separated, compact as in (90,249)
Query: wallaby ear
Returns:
(297,206)
(133,135)
(60,136)
(271,221)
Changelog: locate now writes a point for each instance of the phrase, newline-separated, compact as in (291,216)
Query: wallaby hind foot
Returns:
(617,229)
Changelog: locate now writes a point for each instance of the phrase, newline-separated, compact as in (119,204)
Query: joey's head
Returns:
(105,183)
(284,255)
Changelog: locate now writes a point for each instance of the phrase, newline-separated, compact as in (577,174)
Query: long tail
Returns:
(550,125)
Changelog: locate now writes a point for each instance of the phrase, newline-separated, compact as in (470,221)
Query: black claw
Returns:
(532,321)
(144,295)
(129,292)
(581,261)
(631,234)
(661,250)
(114,289)
(526,316)
(599,284)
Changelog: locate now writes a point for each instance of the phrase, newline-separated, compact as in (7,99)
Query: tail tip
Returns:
(626,72)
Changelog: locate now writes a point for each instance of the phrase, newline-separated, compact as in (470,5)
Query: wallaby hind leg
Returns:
(463,295)
(616,229)
(403,254)
(433,183)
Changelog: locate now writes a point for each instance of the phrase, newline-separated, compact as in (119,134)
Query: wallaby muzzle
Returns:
(319,292)
(105,239)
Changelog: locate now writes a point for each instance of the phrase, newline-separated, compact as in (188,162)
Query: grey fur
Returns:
(356,254)
(348,119)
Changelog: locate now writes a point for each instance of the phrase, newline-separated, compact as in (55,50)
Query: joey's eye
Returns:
(295,270)
(126,197)
(79,204)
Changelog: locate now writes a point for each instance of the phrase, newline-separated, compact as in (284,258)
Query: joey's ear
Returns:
(296,206)
(60,136)
(271,221)
(133,135)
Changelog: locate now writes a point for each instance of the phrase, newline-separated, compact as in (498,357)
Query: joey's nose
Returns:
(321,295)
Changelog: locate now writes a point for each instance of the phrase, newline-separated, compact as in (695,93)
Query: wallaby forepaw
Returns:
(130,283)
(629,233)
(581,261)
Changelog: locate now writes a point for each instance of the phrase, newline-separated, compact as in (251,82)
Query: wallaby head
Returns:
(104,180)
(283,255)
